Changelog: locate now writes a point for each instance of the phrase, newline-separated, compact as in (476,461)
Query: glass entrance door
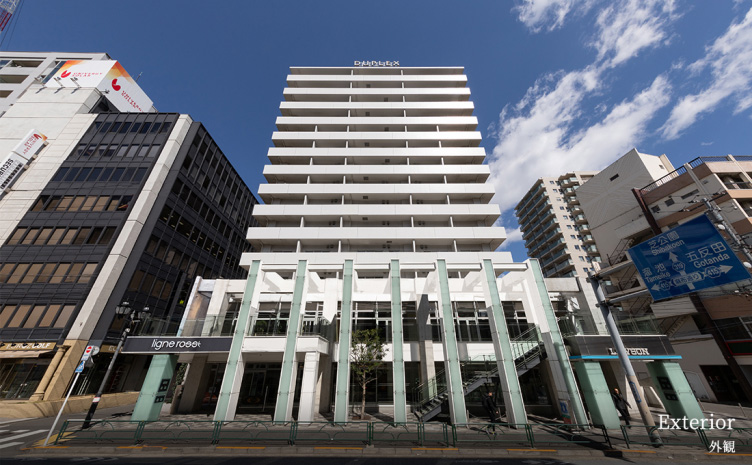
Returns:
(258,390)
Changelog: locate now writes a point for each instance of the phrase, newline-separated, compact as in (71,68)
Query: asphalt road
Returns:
(327,461)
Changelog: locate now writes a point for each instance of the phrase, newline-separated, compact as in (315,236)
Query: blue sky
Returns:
(558,85)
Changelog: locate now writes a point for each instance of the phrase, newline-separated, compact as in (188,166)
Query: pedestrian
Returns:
(621,405)
(489,403)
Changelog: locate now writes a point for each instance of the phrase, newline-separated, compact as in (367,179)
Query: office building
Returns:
(554,228)
(117,209)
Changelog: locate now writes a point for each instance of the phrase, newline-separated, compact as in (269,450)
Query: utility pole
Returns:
(724,226)
(621,351)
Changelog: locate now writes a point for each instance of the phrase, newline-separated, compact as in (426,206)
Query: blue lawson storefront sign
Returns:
(691,257)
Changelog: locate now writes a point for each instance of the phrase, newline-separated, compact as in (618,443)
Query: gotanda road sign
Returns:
(691,257)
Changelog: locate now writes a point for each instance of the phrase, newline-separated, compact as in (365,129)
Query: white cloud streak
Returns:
(729,59)
(515,235)
(543,134)
(545,14)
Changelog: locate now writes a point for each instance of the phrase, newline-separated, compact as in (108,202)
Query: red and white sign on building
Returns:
(109,77)
(21,155)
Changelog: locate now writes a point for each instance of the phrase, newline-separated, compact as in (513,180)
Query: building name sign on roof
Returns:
(376,63)
(691,257)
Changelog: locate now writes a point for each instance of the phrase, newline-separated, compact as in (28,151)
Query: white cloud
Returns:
(543,142)
(730,61)
(515,235)
(626,28)
(538,15)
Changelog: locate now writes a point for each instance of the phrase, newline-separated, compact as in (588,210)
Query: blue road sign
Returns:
(691,257)
(80,366)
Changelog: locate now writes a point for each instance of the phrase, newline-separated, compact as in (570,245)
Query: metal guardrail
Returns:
(395,434)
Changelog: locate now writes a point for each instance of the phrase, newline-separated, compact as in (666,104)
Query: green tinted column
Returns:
(341,398)
(674,389)
(154,390)
(283,409)
(578,409)
(510,384)
(451,351)
(597,395)
(398,362)
(228,392)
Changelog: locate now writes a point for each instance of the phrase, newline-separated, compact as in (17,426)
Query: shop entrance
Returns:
(20,378)
(258,389)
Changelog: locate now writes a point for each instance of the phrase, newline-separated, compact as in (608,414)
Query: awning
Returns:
(22,353)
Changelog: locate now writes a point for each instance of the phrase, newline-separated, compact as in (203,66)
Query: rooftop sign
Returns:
(106,75)
(691,257)
(376,63)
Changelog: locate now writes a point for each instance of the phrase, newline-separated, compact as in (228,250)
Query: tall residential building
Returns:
(116,207)
(554,228)
(19,70)
(640,196)
(377,216)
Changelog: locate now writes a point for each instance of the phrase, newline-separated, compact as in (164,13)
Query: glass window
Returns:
(16,237)
(124,128)
(43,235)
(124,202)
(59,175)
(94,236)
(107,235)
(64,316)
(39,205)
(30,235)
(19,316)
(77,202)
(154,150)
(69,235)
(56,235)
(112,206)
(5,313)
(72,172)
(60,273)
(46,272)
(117,174)
(65,202)
(128,174)
(116,126)
(83,233)
(101,203)
(143,151)
(83,174)
(74,272)
(106,174)
(95,173)
(49,315)
(34,316)
(145,128)
(135,127)
(31,273)
(140,173)
(5,270)
(88,273)
(121,151)
(132,152)
(88,203)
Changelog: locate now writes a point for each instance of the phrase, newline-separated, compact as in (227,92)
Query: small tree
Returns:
(366,356)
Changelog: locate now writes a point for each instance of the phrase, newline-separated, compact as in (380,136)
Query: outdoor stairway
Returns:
(527,349)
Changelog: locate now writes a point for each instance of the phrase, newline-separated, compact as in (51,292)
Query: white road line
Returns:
(13,431)
(10,444)
(19,436)
(5,422)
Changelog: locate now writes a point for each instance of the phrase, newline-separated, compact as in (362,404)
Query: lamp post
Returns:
(123,310)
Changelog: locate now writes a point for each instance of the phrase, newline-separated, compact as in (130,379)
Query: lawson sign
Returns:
(175,345)
(109,77)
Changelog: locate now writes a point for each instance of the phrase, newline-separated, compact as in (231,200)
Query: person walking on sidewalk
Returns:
(621,405)
(489,403)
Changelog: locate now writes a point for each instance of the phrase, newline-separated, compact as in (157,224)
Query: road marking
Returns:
(532,450)
(6,422)
(19,436)
(239,447)
(66,436)
(343,448)
(434,448)
(10,444)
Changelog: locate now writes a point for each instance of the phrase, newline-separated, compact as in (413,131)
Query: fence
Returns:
(391,434)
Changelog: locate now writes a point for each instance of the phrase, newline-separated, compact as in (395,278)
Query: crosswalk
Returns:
(9,436)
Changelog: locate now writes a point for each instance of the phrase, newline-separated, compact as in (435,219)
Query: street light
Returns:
(123,310)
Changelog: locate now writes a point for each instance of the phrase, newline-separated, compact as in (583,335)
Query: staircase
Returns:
(527,350)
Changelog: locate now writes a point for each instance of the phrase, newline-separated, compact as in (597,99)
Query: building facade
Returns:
(377,216)
(19,70)
(117,207)
(640,196)
(554,227)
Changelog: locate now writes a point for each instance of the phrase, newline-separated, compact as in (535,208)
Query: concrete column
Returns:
(193,388)
(455,389)
(398,359)
(342,394)
(554,344)
(597,395)
(230,389)
(510,384)
(48,374)
(155,387)
(307,407)
(674,390)
(288,375)
(425,345)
